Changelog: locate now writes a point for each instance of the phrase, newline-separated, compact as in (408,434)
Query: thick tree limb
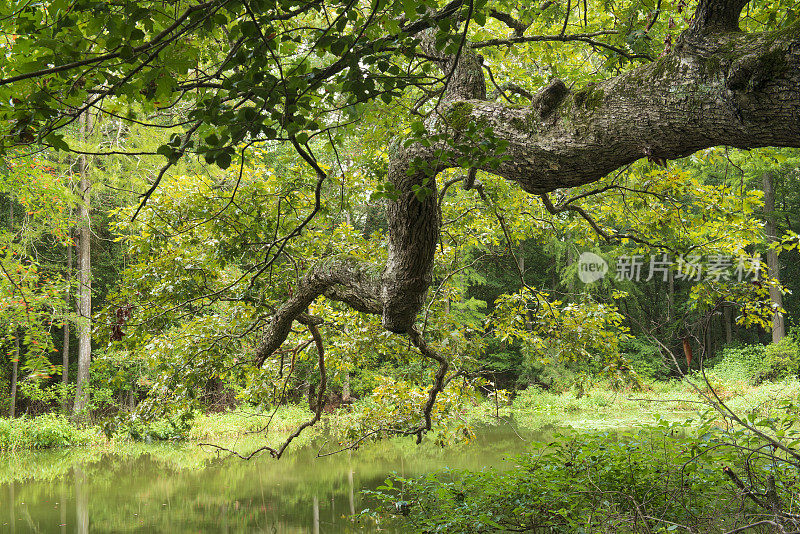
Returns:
(719,87)
(343,279)
(518,26)
(739,90)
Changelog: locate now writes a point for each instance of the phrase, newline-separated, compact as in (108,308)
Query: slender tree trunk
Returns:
(84,282)
(12,411)
(773,264)
(15,360)
(346,387)
(65,347)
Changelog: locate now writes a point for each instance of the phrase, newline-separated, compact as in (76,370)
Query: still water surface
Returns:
(178,489)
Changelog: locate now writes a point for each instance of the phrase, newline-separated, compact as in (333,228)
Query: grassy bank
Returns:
(657,479)
(45,432)
(242,429)
(601,407)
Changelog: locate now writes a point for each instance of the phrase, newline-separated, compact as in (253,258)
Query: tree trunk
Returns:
(12,409)
(66,332)
(84,282)
(773,264)
(346,387)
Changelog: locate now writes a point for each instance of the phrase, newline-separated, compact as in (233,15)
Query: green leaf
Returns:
(223,160)
(126,52)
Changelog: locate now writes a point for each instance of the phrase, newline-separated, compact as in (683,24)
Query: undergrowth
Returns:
(44,432)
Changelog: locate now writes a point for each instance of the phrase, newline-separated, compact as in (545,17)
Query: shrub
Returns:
(755,364)
(781,360)
(175,428)
(739,364)
(43,432)
(651,480)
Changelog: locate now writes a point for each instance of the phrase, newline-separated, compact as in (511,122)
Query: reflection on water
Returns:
(164,489)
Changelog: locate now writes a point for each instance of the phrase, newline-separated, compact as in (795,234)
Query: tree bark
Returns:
(773,263)
(84,281)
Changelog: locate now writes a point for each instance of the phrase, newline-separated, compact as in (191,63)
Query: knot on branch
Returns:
(750,72)
(548,98)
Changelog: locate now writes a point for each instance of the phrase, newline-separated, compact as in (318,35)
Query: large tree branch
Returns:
(727,88)
(740,90)
(342,279)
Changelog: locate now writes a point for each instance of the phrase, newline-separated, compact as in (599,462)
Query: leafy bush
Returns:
(163,429)
(554,376)
(781,360)
(651,480)
(44,397)
(755,364)
(43,432)
(738,364)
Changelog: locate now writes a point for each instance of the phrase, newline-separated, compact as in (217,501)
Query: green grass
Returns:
(248,421)
(601,407)
(243,428)
(44,432)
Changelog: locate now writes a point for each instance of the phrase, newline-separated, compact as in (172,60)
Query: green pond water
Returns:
(181,489)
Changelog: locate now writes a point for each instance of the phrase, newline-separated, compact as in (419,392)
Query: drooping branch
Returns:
(342,279)
(438,382)
(741,90)
(323,381)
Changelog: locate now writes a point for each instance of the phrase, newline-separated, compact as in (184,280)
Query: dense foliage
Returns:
(244,153)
